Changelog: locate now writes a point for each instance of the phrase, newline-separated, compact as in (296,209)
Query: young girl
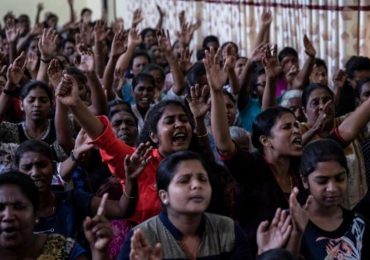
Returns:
(183,228)
(332,231)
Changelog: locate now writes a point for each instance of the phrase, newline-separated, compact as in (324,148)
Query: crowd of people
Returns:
(121,144)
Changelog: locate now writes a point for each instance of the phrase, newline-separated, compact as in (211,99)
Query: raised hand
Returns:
(48,43)
(323,117)
(86,34)
(164,43)
(100,31)
(259,52)
(86,60)
(182,18)
(36,30)
(184,61)
(135,163)
(197,101)
(161,12)
(339,78)
(309,49)
(298,213)
(134,38)
(55,72)
(215,75)
(15,71)
(271,62)
(118,44)
(98,230)
(11,30)
(137,17)
(32,61)
(142,250)
(266,17)
(67,91)
(40,7)
(276,234)
(230,58)
(117,25)
(82,145)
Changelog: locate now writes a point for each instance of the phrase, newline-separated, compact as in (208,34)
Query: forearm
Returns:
(125,58)
(178,77)
(261,35)
(355,122)
(93,127)
(63,131)
(98,99)
(108,77)
(4,101)
(67,167)
(244,91)
(233,81)
(23,43)
(72,16)
(99,58)
(294,243)
(220,128)
(202,134)
(12,51)
(129,197)
(268,98)
(303,77)
(337,93)
(42,73)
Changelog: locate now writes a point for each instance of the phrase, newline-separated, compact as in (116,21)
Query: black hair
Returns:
(360,84)
(208,39)
(84,10)
(142,77)
(322,150)
(264,122)
(320,63)
(229,95)
(36,146)
(24,183)
(152,66)
(140,54)
(116,102)
(77,74)
(231,43)
(310,88)
(196,71)
(64,41)
(168,166)
(258,70)
(147,30)
(154,115)
(357,63)
(286,52)
(26,89)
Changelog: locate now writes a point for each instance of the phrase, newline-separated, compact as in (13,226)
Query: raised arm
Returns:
(355,122)
(134,40)
(100,35)
(244,92)
(40,7)
(216,80)
(339,80)
(86,63)
(134,165)
(72,15)
(47,47)
(273,70)
(63,131)
(264,32)
(303,77)
(162,14)
(12,35)
(67,94)
(118,47)
(14,77)
(165,45)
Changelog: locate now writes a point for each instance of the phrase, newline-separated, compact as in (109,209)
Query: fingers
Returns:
(100,211)
(276,218)
(263,226)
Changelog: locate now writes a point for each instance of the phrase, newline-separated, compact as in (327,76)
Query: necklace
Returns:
(42,136)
